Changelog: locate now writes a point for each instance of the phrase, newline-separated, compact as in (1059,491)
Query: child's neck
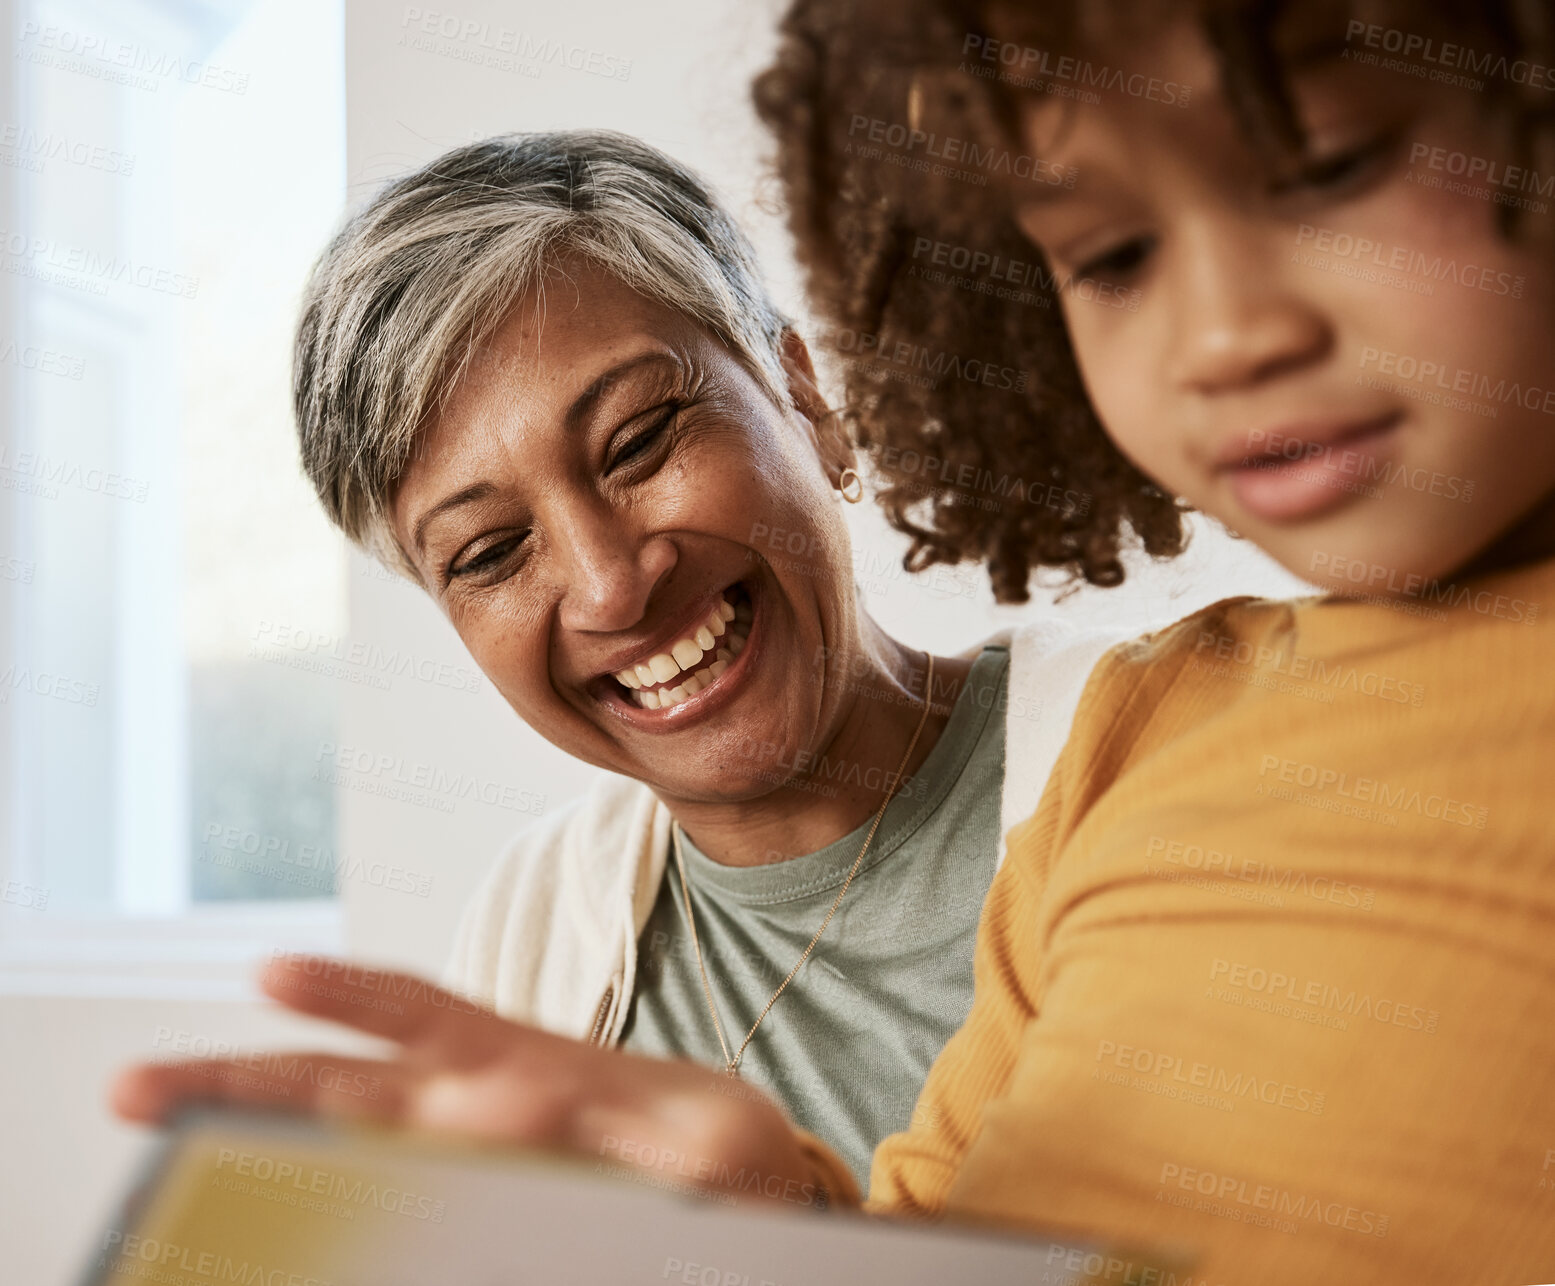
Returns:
(1530,540)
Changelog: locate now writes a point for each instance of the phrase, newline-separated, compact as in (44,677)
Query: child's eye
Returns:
(1344,168)
(1120,261)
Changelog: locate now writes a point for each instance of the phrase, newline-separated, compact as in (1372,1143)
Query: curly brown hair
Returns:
(964,390)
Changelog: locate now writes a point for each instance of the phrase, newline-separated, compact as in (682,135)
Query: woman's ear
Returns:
(825,425)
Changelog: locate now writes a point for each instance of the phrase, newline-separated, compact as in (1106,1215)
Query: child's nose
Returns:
(1240,319)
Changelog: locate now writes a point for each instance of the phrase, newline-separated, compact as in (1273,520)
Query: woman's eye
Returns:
(639,444)
(487,559)
(1121,261)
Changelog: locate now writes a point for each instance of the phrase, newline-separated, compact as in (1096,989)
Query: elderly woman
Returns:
(541,377)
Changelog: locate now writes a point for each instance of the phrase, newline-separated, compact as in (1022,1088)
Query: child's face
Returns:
(1353,368)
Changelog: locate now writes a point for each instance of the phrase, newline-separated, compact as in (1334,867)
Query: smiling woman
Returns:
(541,378)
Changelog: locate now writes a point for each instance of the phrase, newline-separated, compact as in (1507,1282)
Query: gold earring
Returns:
(849,478)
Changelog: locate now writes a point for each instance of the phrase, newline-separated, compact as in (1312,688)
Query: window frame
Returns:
(204,951)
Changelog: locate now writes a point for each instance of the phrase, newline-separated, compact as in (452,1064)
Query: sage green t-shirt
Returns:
(849,1044)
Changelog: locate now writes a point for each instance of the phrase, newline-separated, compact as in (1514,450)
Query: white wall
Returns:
(63,1158)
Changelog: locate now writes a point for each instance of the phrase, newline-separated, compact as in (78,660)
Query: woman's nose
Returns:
(609,571)
(1239,318)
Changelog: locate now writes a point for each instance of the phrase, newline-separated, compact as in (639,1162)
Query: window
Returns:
(169,170)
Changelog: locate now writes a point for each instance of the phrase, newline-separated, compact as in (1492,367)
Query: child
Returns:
(1271,972)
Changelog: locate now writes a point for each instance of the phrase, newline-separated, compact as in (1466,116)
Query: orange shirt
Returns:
(1271,973)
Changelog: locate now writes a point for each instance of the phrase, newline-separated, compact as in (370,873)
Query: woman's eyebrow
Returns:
(465,495)
(584,405)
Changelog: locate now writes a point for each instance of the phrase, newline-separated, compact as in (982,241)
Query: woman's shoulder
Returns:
(559,887)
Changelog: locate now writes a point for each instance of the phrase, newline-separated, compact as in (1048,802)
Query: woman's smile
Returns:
(701,667)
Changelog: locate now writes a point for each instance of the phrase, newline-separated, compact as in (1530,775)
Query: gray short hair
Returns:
(414,282)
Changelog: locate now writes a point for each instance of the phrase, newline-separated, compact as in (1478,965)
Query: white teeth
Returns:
(646,679)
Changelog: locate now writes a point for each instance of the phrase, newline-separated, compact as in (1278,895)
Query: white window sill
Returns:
(208,954)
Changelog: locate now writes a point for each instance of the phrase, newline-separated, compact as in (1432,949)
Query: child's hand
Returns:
(463,1070)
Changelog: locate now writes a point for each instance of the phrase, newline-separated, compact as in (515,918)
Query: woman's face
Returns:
(1352,367)
(642,552)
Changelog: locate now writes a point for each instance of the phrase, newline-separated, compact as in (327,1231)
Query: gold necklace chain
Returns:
(732,1063)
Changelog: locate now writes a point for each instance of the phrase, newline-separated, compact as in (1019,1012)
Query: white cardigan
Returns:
(550,938)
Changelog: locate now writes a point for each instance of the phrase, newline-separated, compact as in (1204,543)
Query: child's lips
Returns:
(1309,470)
